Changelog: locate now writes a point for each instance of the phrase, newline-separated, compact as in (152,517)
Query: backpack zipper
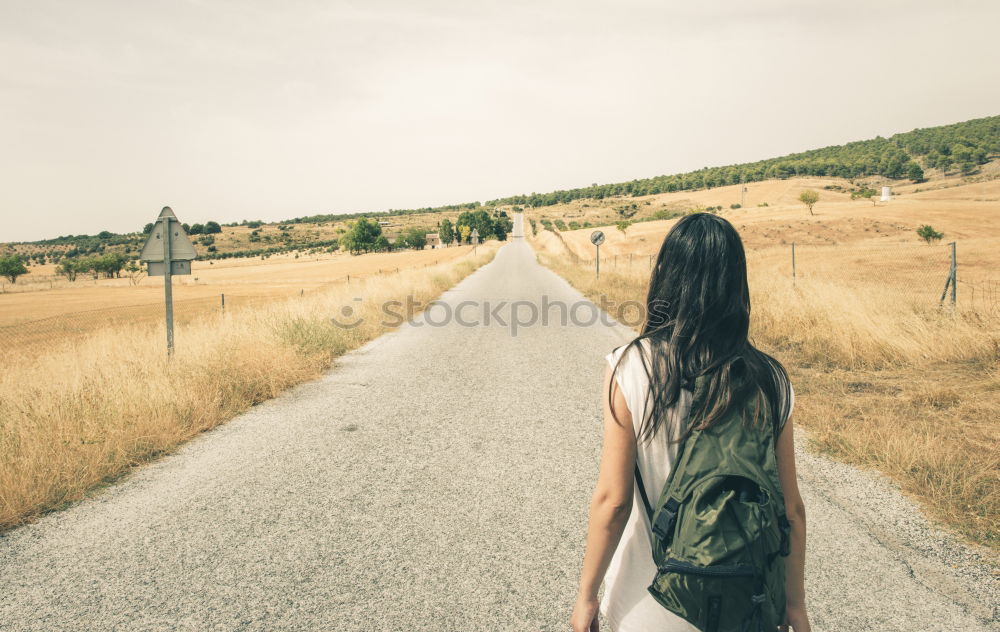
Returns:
(735,570)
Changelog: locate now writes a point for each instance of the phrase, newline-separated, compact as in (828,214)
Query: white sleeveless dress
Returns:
(626,604)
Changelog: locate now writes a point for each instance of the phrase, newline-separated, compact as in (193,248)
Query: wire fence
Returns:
(917,274)
(29,336)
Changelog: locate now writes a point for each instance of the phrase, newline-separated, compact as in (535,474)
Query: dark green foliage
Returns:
(212,227)
(11,267)
(735,206)
(561,225)
(329,245)
(490,226)
(446,231)
(196,229)
(316,219)
(363,237)
(105,234)
(412,237)
(148,228)
(928,234)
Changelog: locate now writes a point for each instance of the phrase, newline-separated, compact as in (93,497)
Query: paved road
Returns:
(436,479)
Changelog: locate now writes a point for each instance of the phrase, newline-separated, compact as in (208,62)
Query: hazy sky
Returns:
(228,110)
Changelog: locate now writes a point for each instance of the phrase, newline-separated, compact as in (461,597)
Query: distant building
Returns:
(433,240)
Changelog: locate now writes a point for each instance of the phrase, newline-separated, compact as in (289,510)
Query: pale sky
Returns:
(226,110)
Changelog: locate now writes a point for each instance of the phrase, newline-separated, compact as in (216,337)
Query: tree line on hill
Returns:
(365,235)
(963,145)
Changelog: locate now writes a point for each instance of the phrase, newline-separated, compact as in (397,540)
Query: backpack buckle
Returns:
(664,524)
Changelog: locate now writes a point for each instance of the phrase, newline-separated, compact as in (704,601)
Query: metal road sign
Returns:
(597,238)
(168,252)
(474,236)
(180,246)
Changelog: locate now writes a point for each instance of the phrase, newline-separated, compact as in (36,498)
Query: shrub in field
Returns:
(928,234)
(809,198)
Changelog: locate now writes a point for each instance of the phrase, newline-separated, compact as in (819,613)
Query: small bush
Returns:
(928,234)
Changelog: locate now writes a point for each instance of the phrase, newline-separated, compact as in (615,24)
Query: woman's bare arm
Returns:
(610,506)
(795,563)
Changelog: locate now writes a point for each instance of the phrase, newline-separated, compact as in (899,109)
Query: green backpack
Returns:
(719,530)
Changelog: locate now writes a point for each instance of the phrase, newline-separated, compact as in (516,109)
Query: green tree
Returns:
(212,227)
(148,228)
(12,266)
(479,220)
(196,229)
(809,198)
(68,268)
(914,172)
(412,237)
(361,235)
(464,230)
(446,231)
(502,225)
(623,226)
(928,234)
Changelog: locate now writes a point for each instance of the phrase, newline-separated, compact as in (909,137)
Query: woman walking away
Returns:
(696,522)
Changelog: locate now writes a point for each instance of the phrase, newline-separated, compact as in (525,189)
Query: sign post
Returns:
(168,252)
(597,238)
(474,238)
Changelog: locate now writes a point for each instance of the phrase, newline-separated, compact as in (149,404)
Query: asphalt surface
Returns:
(436,479)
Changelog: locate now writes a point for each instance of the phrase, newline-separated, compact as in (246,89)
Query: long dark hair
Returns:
(698,323)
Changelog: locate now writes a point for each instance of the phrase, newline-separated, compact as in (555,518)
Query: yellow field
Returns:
(72,418)
(37,315)
(884,377)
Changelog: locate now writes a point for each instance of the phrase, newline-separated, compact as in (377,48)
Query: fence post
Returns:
(223,301)
(793,262)
(954,273)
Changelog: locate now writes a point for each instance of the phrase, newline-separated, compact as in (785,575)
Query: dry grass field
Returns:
(885,378)
(75,416)
(39,315)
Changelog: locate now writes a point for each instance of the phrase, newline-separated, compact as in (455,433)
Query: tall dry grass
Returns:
(76,417)
(883,380)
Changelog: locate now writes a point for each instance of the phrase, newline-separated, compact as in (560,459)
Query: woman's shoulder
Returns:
(637,350)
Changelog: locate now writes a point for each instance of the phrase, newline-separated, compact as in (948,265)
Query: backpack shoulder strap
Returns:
(683,456)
